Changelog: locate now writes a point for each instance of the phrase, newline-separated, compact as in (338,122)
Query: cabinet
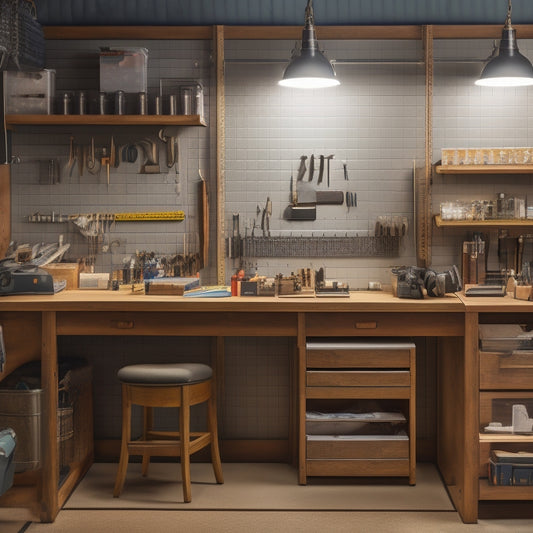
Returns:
(505,381)
(359,408)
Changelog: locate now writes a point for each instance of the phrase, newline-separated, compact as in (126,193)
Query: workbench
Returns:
(32,324)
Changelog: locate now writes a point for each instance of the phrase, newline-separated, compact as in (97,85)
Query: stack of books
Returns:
(511,468)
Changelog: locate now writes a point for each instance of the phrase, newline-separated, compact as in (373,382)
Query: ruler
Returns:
(151,216)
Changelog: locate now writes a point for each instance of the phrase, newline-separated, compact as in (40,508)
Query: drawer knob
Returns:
(123,324)
(366,325)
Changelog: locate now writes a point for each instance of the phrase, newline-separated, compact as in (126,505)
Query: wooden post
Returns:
(220,154)
(5,208)
(49,458)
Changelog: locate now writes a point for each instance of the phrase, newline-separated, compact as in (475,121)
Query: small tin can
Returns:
(120,103)
(157,105)
(186,100)
(142,104)
(173,105)
(82,103)
(102,103)
(67,104)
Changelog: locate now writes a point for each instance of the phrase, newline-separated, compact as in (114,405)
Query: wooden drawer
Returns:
(357,447)
(498,370)
(384,324)
(357,467)
(359,354)
(177,323)
(358,378)
(498,407)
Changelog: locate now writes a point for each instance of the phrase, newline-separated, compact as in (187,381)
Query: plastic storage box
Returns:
(30,92)
(123,69)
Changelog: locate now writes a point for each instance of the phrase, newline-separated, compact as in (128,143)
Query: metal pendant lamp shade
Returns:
(509,68)
(309,69)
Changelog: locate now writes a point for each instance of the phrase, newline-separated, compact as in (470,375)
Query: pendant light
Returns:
(509,68)
(309,69)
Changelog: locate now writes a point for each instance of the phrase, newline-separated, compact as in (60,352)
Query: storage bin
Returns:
(30,92)
(504,337)
(21,410)
(123,69)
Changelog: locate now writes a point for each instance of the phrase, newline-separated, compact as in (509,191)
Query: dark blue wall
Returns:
(279,12)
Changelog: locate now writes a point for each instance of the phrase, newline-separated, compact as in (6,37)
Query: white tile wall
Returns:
(374,121)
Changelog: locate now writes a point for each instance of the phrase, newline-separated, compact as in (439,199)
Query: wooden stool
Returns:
(167,385)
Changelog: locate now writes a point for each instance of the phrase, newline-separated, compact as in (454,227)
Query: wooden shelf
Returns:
(105,120)
(487,491)
(483,224)
(504,437)
(484,169)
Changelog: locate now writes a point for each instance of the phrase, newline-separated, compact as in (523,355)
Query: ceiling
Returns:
(278,12)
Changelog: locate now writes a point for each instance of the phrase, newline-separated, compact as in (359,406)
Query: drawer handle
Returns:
(366,325)
(123,324)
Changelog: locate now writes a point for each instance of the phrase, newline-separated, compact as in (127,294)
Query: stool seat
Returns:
(181,385)
(165,374)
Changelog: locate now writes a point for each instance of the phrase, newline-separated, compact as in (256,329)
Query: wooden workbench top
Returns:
(494,304)
(103,300)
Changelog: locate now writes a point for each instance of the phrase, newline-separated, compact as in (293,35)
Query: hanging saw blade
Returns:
(311,167)
(301,170)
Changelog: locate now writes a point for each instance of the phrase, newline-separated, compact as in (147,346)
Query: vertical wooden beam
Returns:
(302,448)
(471,419)
(50,460)
(423,186)
(220,153)
(5,208)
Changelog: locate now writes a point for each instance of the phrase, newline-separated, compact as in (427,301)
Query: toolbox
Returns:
(8,444)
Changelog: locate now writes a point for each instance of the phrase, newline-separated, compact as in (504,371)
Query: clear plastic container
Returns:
(123,69)
(30,92)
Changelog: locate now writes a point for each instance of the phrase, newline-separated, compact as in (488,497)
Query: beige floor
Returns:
(252,486)
(255,498)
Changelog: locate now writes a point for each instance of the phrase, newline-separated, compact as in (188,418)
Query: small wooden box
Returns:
(67,271)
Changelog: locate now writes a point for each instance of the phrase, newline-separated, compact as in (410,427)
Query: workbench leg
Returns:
(302,451)
(471,421)
(49,457)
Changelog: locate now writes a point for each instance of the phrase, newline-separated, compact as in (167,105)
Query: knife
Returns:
(311,167)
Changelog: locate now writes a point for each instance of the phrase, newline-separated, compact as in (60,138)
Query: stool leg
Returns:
(126,437)
(213,429)
(185,426)
(148,425)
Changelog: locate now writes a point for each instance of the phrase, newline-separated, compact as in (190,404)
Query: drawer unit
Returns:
(358,410)
(506,370)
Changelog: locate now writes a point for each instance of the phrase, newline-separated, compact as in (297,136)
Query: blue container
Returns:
(8,444)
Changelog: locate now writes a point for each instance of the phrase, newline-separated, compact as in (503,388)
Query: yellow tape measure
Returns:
(145,217)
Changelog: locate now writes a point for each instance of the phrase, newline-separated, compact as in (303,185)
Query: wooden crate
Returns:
(67,271)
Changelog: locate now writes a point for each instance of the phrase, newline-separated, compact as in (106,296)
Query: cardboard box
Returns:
(70,272)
